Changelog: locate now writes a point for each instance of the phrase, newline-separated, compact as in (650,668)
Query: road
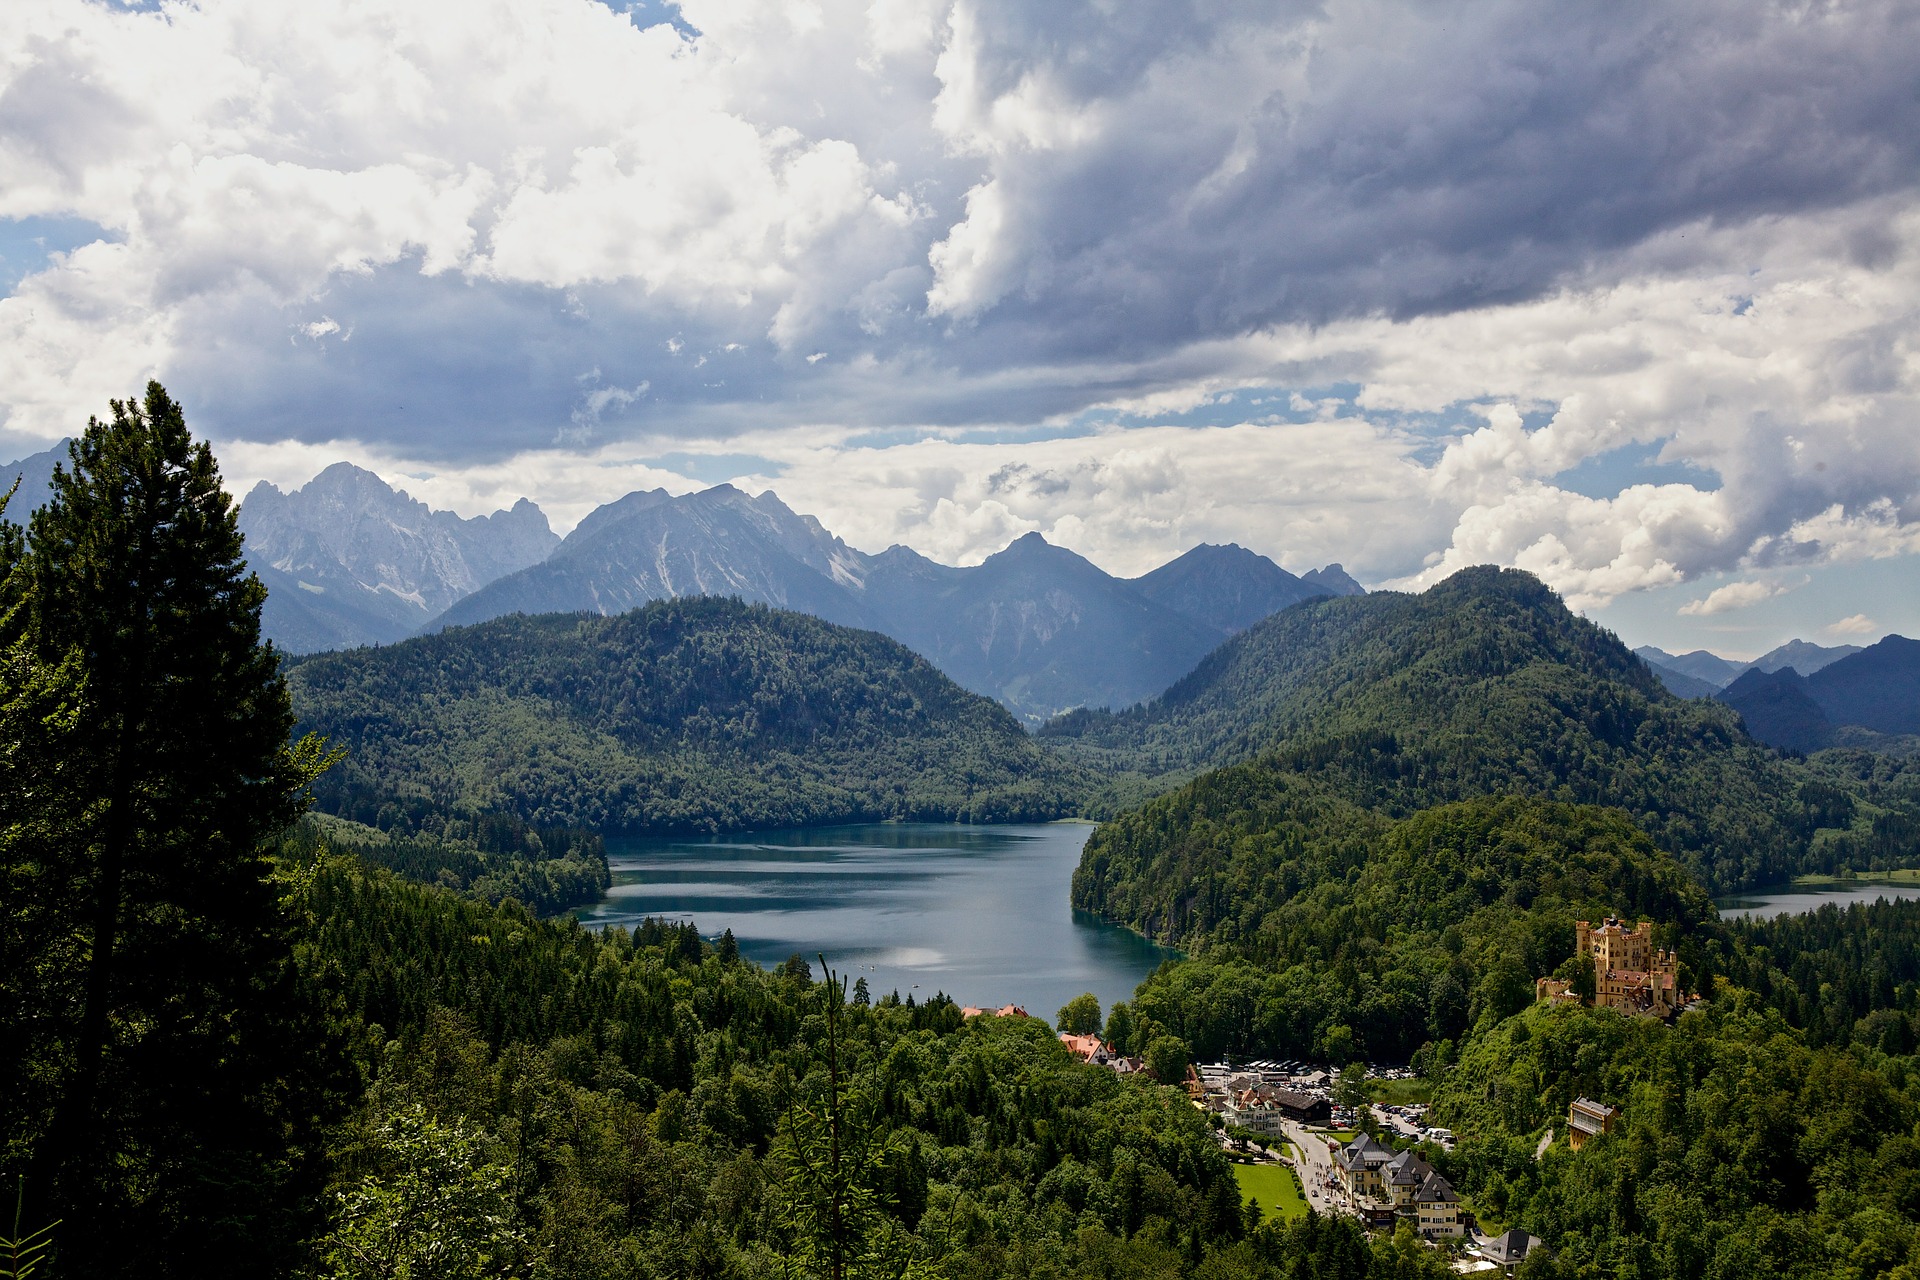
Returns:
(1316,1169)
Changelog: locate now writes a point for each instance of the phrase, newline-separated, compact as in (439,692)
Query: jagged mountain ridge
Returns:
(651,546)
(1036,626)
(349,560)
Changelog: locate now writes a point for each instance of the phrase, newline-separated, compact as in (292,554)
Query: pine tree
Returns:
(185,1078)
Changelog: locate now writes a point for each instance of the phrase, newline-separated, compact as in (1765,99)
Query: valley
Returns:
(575,852)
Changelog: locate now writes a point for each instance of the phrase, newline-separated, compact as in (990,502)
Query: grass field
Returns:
(1398,1093)
(1274,1186)
(1904,875)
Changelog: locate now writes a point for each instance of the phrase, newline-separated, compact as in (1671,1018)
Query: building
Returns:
(1589,1119)
(1303,1107)
(1510,1250)
(1085,1048)
(1403,1177)
(1004,1011)
(1436,1210)
(1250,1111)
(1554,991)
(1629,972)
(1359,1164)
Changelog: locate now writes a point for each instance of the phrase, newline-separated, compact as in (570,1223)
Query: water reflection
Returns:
(979,912)
(1792,899)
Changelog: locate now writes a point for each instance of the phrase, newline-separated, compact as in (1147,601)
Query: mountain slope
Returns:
(1778,709)
(35,474)
(702,714)
(1036,626)
(1229,588)
(349,560)
(1041,629)
(1877,688)
(1483,685)
(649,546)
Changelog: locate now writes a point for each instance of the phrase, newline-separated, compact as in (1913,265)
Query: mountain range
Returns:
(1699,674)
(349,561)
(1870,697)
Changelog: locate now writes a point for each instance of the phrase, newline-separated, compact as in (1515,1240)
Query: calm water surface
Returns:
(1788,899)
(979,912)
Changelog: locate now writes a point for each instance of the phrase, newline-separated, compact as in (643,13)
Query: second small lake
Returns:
(1791,899)
(979,912)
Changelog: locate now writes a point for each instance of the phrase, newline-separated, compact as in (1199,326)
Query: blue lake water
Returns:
(1788,899)
(979,912)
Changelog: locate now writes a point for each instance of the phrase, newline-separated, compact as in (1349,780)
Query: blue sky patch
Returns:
(27,245)
(1605,475)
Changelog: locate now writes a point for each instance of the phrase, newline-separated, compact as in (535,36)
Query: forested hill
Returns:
(1484,685)
(1334,664)
(693,714)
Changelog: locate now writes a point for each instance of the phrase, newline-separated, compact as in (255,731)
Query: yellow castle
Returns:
(1629,972)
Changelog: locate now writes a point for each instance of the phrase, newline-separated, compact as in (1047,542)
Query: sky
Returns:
(1623,295)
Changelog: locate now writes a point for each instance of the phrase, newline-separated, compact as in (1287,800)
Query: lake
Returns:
(979,912)
(1791,899)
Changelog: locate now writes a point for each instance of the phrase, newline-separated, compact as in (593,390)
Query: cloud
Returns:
(1857,625)
(1735,595)
(1006,266)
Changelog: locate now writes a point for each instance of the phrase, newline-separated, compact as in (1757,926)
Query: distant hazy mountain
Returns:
(1335,579)
(1230,588)
(348,560)
(1804,657)
(1876,689)
(35,473)
(1778,709)
(1715,672)
(1708,668)
(1036,626)
(1678,683)
(1042,629)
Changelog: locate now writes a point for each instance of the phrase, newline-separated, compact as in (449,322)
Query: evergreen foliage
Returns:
(165,1073)
(699,714)
(1385,705)
(650,1102)
(1741,1151)
(491,859)
(1381,939)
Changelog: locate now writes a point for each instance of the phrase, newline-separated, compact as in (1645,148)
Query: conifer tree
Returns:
(184,1078)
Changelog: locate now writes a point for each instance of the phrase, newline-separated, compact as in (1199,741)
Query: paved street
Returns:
(1315,1167)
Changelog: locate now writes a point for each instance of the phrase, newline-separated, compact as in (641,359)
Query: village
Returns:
(1308,1138)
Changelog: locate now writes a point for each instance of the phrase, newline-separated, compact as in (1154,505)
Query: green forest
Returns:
(1485,684)
(288,990)
(697,714)
(240,1046)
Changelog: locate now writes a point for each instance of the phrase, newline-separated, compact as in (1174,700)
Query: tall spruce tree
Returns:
(179,1052)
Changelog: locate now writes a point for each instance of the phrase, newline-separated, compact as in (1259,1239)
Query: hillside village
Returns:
(1353,1155)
